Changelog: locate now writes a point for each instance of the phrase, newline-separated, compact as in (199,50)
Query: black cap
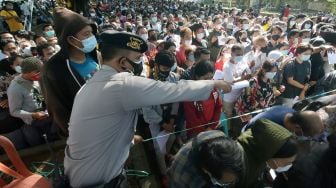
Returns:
(124,40)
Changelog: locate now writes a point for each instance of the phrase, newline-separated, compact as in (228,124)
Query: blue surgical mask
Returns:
(50,33)
(284,52)
(305,57)
(238,59)
(89,44)
(174,67)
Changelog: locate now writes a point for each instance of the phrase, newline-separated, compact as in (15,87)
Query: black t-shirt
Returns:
(317,63)
(300,73)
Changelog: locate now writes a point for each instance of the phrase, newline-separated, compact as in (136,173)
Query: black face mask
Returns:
(163,75)
(263,50)
(129,29)
(275,37)
(172,31)
(137,68)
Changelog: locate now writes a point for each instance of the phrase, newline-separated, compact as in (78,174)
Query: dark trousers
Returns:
(118,182)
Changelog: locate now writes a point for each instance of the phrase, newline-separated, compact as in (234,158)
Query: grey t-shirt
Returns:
(300,73)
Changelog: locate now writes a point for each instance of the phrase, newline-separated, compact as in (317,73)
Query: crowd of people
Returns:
(217,97)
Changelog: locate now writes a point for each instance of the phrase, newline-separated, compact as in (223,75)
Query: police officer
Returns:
(104,113)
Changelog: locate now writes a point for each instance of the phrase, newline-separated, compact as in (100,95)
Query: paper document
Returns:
(240,85)
(221,40)
(332,58)
(219,75)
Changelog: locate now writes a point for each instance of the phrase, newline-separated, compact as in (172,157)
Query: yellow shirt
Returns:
(13,24)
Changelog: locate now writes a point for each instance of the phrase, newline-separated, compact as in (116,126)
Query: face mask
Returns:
(137,67)
(172,31)
(283,168)
(163,75)
(202,16)
(191,58)
(144,36)
(18,69)
(10,7)
(243,39)
(270,75)
(128,29)
(218,184)
(296,41)
(89,44)
(291,23)
(154,19)
(284,52)
(230,26)
(246,26)
(263,50)
(307,26)
(50,33)
(200,35)
(284,29)
(174,67)
(92,14)
(305,57)
(275,37)
(36,77)
(238,59)
(188,42)
(303,138)
(305,40)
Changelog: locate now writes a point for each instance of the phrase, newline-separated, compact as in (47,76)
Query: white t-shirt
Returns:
(231,73)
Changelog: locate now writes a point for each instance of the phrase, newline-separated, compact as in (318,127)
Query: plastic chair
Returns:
(23,177)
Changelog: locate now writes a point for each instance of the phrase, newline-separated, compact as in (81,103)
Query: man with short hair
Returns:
(45,51)
(209,160)
(306,124)
(105,112)
(26,101)
(296,75)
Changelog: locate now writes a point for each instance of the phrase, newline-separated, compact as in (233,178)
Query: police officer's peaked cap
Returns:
(123,40)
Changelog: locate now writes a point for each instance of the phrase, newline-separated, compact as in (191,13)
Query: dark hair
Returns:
(237,47)
(304,31)
(4,43)
(288,149)
(293,33)
(266,67)
(219,155)
(36,37)
(199,51)
(297,118)
(202,68)
(139,28)
(165,58)
(302,48)
(41,47)
(12,58)
(45,26)
(168,44)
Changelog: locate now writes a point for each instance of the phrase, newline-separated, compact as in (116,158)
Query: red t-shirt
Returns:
(199,113)
(180,56)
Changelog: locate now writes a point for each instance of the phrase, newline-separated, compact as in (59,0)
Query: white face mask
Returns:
(144,36)
(188,42)
(305,57)
(92,14)
(270,75)
(283,168)
(200,35)
(246,26)
(296,41)
(305,40)
(307,26)
(291,23)
(18,69)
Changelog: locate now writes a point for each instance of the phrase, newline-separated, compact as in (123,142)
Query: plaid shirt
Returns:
(183,173)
